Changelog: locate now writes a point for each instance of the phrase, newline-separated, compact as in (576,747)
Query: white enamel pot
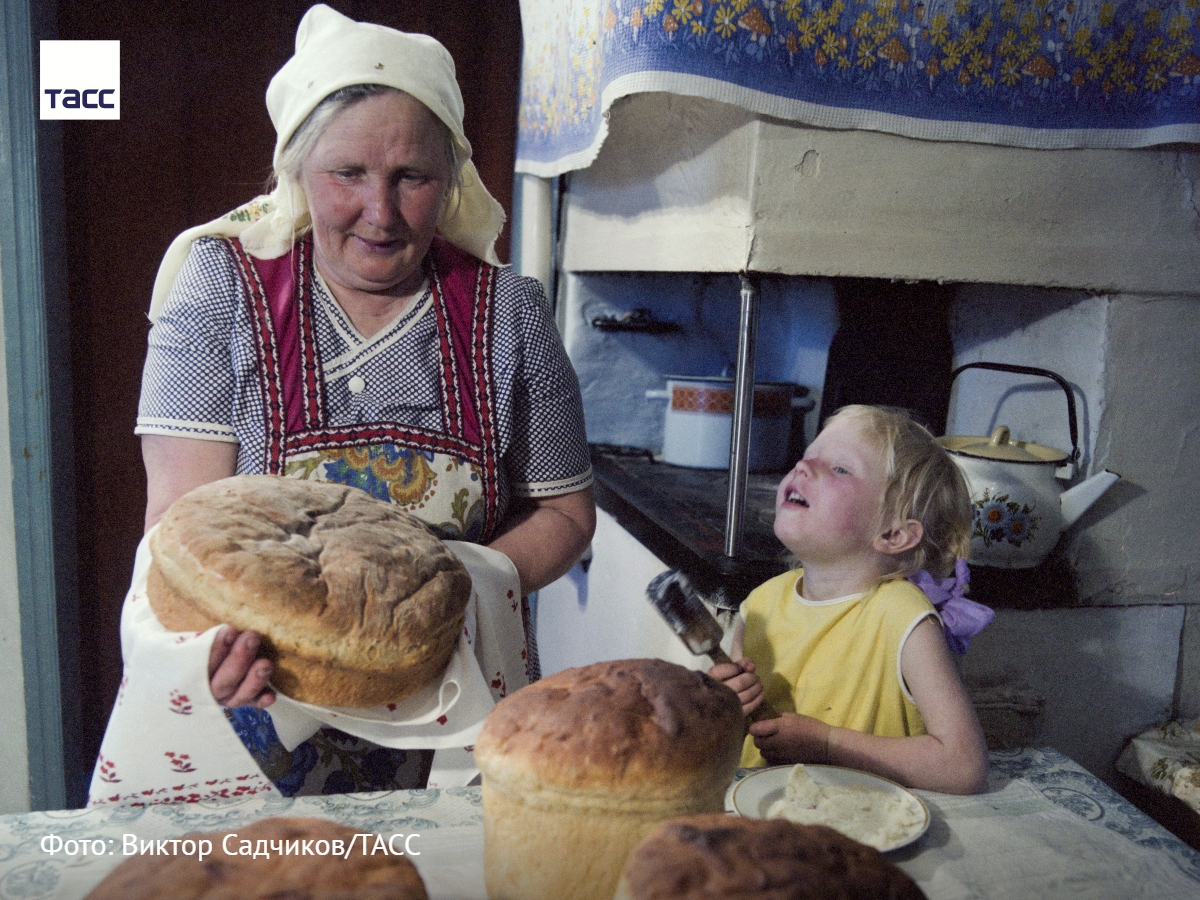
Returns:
(1018,503)
(699,422)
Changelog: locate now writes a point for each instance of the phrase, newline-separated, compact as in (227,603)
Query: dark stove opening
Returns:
(892,348)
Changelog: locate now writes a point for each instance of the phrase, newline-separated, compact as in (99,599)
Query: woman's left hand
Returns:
(791,738)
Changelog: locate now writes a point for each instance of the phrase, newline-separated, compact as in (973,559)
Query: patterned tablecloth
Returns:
(1046,828)
(1026,73)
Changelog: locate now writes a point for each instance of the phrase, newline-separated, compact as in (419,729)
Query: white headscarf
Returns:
(333,52)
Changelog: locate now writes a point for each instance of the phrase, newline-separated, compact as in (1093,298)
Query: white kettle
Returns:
(1019,506)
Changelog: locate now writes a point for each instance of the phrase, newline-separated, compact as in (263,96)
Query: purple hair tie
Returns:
(961,618)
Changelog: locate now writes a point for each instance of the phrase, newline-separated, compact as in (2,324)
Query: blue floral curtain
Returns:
(1030,73)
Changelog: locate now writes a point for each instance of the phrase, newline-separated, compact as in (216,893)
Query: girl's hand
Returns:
(740,677)
(792,738)
(235,677)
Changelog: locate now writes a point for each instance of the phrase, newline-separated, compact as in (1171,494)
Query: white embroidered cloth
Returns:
(169,741)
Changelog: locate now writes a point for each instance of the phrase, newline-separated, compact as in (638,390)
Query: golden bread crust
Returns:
(721,857)
(358,602)
(579,766)
(222,875)
(636,729)
(546,853)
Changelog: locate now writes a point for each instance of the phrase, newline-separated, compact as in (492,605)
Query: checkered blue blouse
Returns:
(200,381)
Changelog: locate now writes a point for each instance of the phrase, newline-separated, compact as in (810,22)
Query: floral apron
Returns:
(447,479)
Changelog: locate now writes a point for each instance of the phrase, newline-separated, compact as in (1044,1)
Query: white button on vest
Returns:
(357,385)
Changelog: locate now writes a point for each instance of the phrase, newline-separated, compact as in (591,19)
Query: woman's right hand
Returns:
(235,676)
(740,677)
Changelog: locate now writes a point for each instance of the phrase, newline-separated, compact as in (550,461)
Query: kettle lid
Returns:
(1001,447)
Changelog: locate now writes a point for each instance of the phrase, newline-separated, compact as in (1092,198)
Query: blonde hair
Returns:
(923,483)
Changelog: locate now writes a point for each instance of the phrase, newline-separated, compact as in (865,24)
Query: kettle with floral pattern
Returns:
(1019,506)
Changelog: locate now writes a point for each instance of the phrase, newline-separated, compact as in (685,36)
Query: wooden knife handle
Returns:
(765,710)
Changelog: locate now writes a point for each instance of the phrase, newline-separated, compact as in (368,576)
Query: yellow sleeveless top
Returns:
(837,661)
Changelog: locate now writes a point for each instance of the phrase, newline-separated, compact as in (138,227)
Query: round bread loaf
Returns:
(579,766)
(358,602)
(296,876)
(721,857)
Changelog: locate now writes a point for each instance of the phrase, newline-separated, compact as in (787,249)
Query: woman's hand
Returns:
(792,738)
(235,676)
(740,678)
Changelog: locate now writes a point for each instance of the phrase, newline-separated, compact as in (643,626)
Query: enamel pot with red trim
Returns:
(699,422)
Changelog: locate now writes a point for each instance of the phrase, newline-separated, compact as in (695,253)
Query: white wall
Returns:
(1062,331)
(1140,545)
(1104,674)
(602,613)
(732,191)
(14,784)
(1134,365)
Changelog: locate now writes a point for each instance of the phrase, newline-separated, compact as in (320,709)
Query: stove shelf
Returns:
(678,514)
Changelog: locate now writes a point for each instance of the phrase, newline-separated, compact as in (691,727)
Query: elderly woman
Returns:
(354,326)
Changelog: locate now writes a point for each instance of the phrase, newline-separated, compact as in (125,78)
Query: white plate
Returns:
(754,794)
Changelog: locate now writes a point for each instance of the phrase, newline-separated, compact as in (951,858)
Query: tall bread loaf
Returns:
(359,603)
(225,876)
(579,766)
(720,857)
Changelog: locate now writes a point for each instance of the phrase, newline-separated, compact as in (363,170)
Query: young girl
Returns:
(852,654)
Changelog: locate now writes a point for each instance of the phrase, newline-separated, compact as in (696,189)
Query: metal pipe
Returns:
(743,410)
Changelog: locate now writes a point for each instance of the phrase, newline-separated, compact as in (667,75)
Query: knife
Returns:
(685,613)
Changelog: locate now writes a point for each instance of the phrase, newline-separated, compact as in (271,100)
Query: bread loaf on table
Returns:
(579,766)
(721,857)
(295,876)
(359,603)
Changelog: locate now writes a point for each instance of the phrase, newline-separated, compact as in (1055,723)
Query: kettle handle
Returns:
(1045,373)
